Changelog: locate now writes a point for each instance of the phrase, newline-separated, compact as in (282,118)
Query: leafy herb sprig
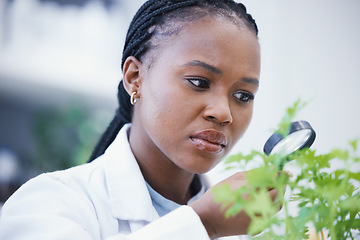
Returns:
(327,198)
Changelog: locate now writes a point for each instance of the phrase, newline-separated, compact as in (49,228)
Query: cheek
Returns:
(242,121)
(161,106)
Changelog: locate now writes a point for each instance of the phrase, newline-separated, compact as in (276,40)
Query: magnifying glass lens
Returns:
(292,142)
(300,135)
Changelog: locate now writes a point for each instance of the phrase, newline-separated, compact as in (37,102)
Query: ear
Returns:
(132,75)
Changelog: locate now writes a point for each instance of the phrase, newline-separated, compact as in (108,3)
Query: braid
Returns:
(249,19)
(147,17)
(154,12)
(122,116)
(106,139)
(155,18)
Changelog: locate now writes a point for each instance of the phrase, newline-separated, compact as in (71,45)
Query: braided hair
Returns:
(154,21)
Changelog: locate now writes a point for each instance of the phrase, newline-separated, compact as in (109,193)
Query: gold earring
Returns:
(132,98)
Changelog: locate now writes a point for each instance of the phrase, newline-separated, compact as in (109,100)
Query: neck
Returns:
(160,172)
(173,185)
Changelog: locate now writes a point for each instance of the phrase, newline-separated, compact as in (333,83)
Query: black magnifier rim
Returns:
(294,127)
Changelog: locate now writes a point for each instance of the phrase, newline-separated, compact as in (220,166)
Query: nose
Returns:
(218,110)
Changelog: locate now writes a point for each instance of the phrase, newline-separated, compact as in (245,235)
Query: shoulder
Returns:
(61,202)
(58,188)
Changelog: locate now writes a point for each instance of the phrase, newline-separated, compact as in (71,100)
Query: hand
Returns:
(213,216)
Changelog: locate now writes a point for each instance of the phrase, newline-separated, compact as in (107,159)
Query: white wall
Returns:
(311,50)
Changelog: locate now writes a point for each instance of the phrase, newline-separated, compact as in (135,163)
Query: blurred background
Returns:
(60,67)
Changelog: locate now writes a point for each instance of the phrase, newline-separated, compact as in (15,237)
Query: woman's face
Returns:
(195,100)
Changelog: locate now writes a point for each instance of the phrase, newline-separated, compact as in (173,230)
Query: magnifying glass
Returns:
(301,135)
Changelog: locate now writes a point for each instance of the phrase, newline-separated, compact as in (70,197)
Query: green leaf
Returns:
(339,154)
(235,158)
(261,177)
(284,126)
(261,204)
(223,193)
(354,144)
(258,224)
(355,176)
(350,204)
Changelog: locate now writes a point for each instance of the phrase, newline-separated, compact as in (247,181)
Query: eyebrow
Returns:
(204,65)
(213,69)
(254,81)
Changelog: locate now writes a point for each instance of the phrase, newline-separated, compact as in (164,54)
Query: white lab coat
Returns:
(106,199)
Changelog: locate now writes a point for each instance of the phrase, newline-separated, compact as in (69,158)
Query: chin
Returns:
(201,168)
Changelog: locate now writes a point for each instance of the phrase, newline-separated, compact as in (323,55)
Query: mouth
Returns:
(211,141)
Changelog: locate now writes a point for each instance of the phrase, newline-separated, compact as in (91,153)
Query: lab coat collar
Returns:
(129,196)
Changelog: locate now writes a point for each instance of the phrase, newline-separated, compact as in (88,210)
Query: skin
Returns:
(194,84)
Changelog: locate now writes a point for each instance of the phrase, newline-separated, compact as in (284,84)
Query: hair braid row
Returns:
(138,27)
(248,17)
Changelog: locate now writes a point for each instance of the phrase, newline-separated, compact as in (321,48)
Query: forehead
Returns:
(216,40)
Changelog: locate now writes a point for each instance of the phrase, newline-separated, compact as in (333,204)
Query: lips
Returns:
(211,141)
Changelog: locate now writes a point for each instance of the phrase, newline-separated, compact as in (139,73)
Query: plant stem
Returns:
(332,227)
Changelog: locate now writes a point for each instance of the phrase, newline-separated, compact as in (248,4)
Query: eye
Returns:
(243,96)
(200,83)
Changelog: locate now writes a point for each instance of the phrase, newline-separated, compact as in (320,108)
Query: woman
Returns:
(190,73)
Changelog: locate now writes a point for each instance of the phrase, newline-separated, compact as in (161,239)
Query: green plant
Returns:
(327,198)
